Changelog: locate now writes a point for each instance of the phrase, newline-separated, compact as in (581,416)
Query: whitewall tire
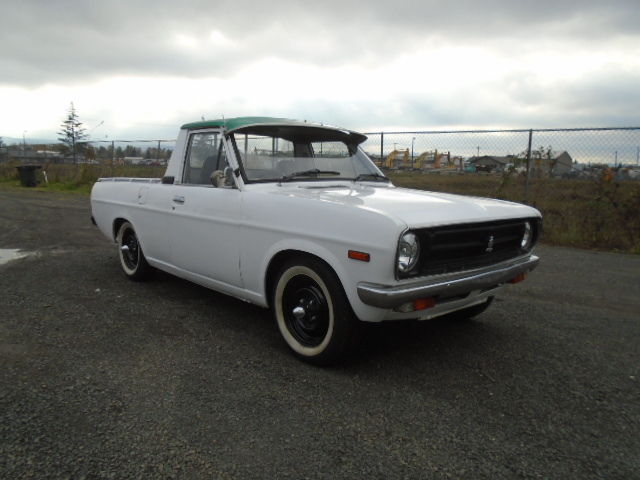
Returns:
(312,311)
(132,259)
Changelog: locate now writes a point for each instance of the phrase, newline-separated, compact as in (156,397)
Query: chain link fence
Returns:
(93,152)
(499,150)
(60,169)
(129,152)
(586,182)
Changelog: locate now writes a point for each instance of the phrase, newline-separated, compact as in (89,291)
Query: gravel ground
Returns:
(106,378)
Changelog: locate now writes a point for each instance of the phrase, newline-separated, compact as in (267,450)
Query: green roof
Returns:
(240,122)
(232,124)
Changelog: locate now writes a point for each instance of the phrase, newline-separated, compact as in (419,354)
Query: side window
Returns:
(205,155)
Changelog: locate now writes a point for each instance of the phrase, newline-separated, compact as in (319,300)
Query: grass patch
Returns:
(583,213)
(75,178)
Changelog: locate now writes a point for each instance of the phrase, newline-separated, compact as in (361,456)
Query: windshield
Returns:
(281,153)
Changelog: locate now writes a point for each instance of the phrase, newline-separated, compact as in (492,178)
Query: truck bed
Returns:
(130,179)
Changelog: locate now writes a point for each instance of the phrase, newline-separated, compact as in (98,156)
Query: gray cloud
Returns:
(70,41)
(75,43)
(600,100)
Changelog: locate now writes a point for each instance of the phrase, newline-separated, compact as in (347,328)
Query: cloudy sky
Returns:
(139,69)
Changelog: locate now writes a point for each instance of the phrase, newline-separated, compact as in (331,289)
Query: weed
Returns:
(585,213)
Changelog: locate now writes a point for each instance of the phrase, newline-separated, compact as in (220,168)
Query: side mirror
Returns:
(223,179)
(228,177)
(217,178)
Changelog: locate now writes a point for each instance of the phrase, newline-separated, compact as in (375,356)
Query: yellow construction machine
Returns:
(390,162)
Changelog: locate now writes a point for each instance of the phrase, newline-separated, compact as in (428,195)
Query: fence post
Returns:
(526,182)
(381,148)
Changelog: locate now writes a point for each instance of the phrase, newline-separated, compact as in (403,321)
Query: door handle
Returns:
(178,199)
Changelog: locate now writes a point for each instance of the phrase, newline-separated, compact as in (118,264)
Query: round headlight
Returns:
(408,252)
(525,243)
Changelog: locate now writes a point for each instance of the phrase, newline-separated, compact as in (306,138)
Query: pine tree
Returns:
(72,133)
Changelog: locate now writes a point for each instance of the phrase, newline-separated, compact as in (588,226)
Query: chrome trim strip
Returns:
(386,296)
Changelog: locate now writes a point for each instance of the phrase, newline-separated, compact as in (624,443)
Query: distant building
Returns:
(559,164)
(556,165)
(491,163)
(134,160)
(32,154)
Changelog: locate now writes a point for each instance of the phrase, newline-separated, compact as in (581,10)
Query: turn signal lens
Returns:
(362,256)
(419,304)
(424,303)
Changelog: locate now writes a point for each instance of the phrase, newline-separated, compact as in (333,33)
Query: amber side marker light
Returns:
(424,303)
(518,279)
(355,255)
(415,305)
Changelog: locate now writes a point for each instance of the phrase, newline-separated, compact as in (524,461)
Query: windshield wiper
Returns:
(374,177)
(308,173)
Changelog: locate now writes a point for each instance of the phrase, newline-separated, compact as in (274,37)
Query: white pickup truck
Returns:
(295,216)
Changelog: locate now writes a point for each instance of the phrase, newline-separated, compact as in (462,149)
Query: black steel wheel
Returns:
(306,310)
(312,311)
(132,259)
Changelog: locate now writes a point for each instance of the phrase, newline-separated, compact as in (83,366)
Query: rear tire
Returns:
(132,259)
(312,311)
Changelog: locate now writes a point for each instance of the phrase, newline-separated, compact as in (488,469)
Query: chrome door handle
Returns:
(178,199)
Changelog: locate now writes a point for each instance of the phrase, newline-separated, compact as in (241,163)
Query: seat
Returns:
(208,167)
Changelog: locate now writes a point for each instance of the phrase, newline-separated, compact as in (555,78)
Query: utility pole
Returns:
(615,159)
(24,146)
(478,152)
(412,140)
(526,181)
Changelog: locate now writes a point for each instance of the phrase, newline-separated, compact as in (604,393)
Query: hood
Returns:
(414,208)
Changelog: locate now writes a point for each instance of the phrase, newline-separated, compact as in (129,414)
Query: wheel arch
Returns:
(117,223)
(280,258)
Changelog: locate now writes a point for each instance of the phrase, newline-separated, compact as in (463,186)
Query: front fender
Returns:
(348,271)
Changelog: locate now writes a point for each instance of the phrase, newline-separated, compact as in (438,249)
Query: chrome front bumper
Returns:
(451,284)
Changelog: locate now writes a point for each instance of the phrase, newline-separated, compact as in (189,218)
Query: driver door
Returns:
(204,230)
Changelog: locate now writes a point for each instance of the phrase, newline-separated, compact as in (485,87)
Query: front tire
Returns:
(312,311)
(132,259)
